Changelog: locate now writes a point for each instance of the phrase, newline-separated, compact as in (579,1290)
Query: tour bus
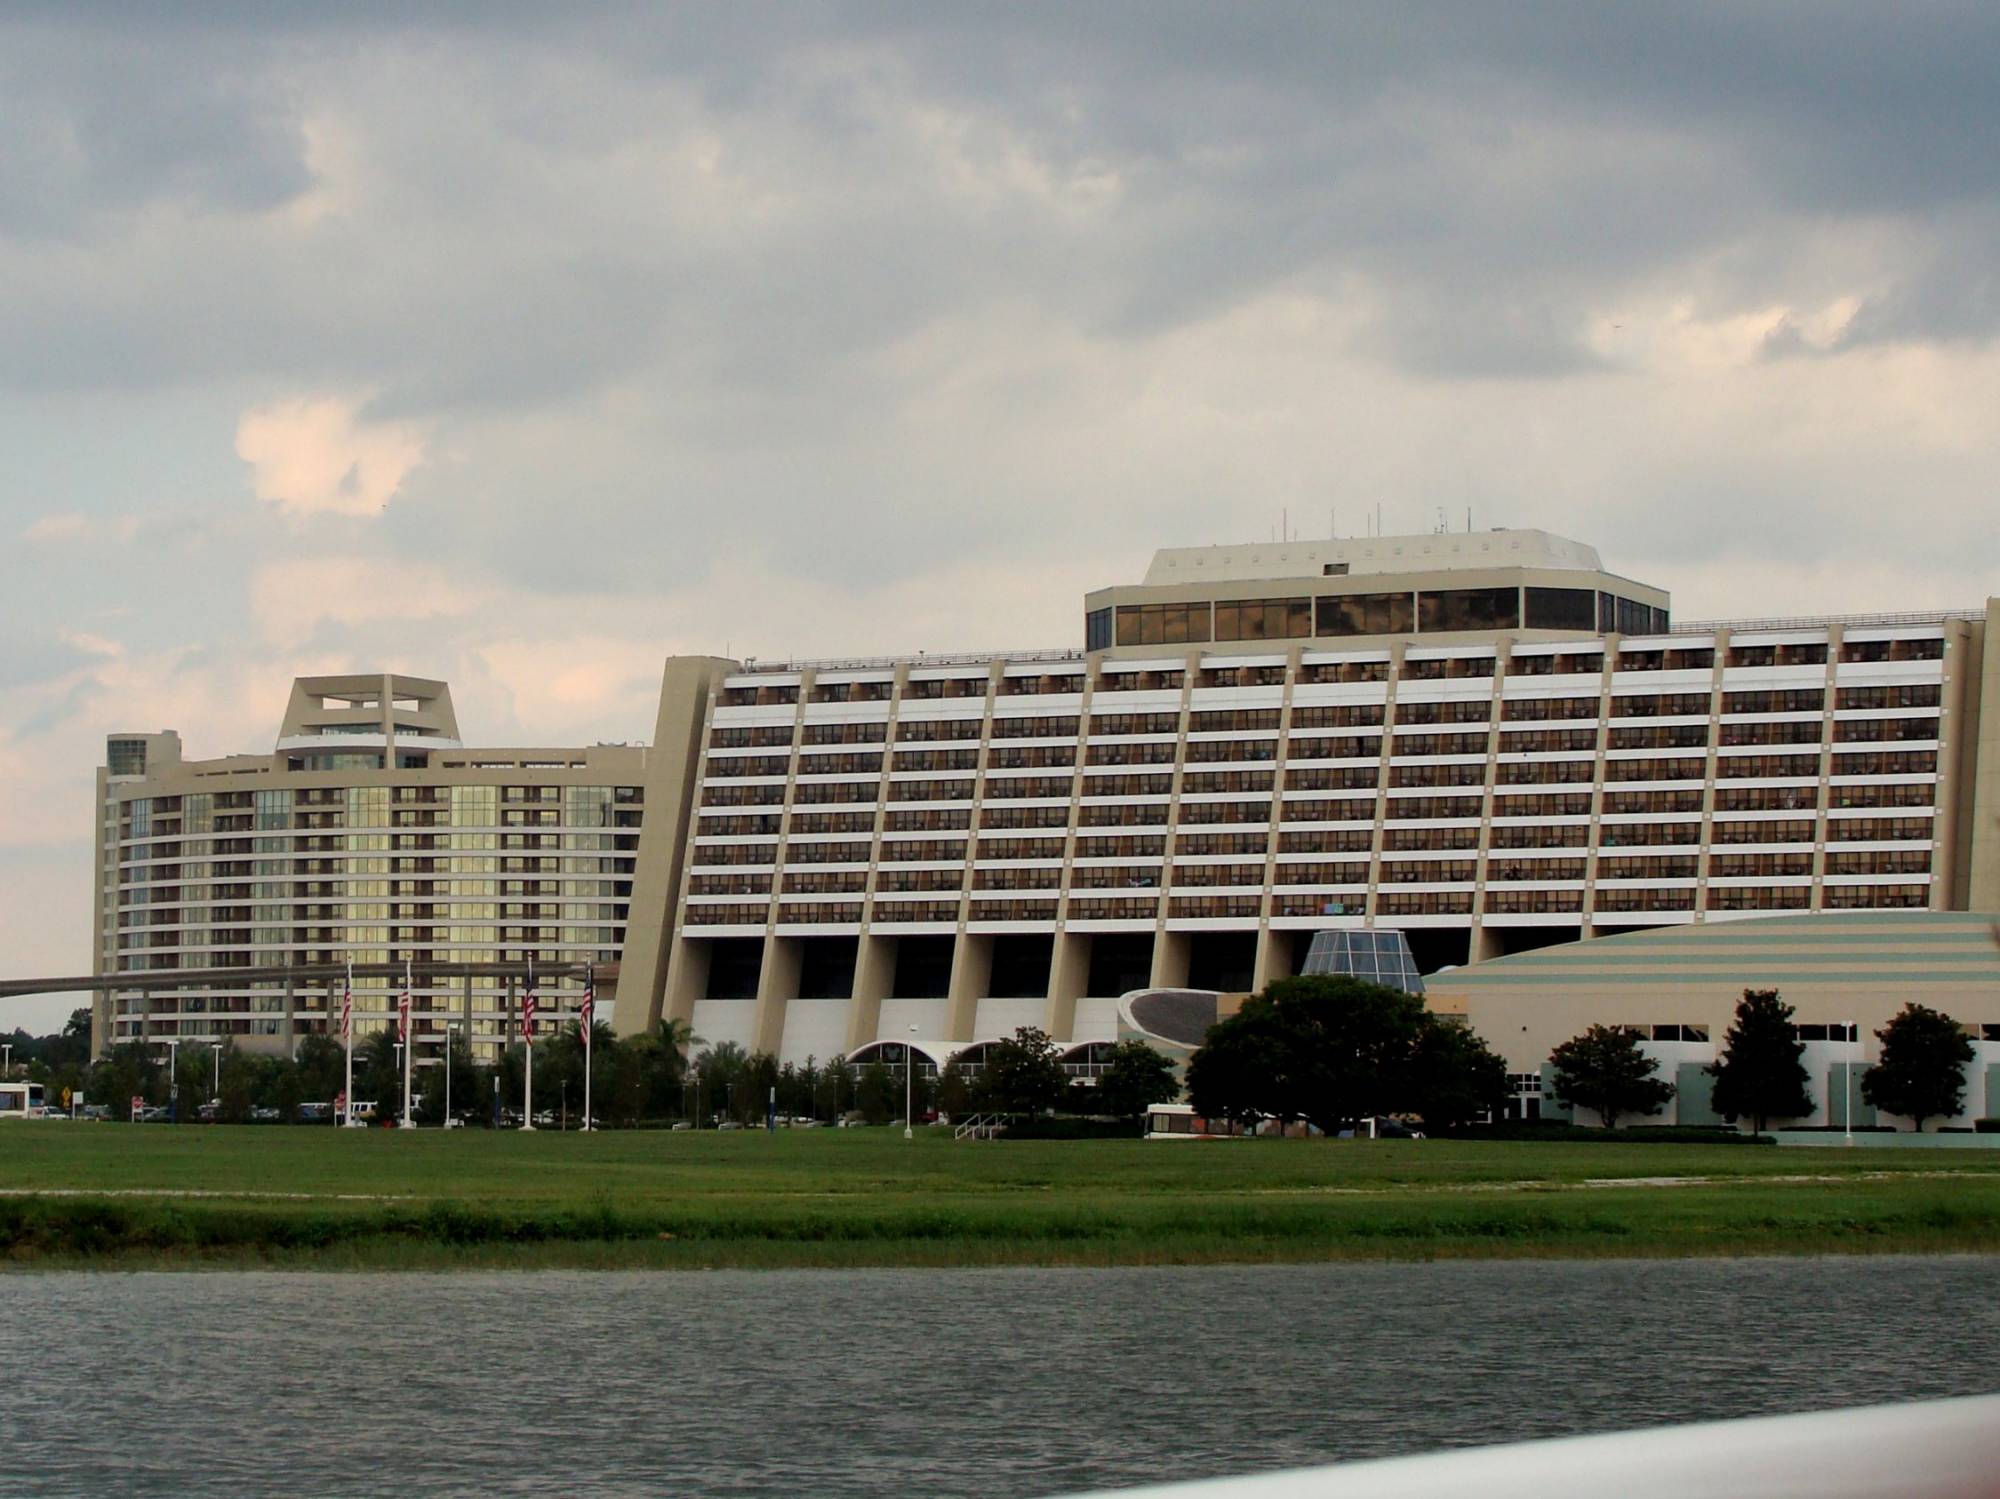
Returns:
(22,1101)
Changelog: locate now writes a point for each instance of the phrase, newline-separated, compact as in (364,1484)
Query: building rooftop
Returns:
(1446,551)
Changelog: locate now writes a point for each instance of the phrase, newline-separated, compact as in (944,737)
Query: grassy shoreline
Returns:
(298,1199)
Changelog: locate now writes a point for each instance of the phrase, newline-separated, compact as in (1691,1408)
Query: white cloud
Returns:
(291,599)
(314,455)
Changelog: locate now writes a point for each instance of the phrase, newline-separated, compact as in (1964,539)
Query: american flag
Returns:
(587,1016)
(347,1006)
(528,1014)
(403,1008)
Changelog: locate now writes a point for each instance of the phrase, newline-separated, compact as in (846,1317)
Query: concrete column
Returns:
(1171,952)
(971,977)
(1485,943)
(777,986)
(874,972)
(1069,973)
(687,978)
(1271,960)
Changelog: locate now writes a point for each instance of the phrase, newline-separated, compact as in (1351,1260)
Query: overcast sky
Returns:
(524,345)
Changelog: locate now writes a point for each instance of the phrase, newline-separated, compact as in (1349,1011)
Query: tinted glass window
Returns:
(1469,609)
(1561,609)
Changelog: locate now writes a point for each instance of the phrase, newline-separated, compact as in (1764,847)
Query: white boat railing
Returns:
(1940,1449)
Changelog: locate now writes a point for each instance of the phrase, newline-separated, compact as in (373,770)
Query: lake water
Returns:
(991,1382)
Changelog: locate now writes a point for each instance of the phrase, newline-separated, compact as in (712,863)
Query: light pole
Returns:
(910,1085)
(1851,1062)
(7,1067)
(450,1028)
(216,1047)
(172,1043)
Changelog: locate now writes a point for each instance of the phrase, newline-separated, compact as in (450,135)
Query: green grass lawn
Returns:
(115,1194)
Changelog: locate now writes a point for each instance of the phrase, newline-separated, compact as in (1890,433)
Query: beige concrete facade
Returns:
(1845,974)
(370,835)
(814,857)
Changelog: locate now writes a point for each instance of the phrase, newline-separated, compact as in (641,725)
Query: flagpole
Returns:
(528,1035)
(347,1036)
(589,1024)
(409,1045)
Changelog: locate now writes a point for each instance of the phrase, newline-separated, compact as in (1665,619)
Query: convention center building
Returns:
(1483,740)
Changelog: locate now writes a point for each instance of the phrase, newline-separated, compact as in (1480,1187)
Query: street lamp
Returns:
(450,1029)
(1852,1063)
(172,1043)
(909,1085)
(216,1047)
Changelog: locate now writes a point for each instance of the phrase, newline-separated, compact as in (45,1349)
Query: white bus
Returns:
(22,1101)
(1179,1121)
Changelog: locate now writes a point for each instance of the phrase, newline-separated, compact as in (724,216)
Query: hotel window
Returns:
(1140,754)
(1341,716)
(921,730)
(1469,609)
(1561,609)
(1030,728)
(1122,814)
(1023,817)
(1263,619)
(1365,614)
(1915,695)
(1164,624)
(1097,630)
(843,733)
(1852,730)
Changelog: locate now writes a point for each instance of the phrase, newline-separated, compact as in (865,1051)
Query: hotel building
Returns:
(1483,739)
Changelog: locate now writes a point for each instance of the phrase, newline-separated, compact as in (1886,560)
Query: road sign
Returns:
(67,1096)
(138,1104)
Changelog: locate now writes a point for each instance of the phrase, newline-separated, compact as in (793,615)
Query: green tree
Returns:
(1603,1069)
(1022,1074)
(322,1064)
(1921,1071)
(954,1091)
(1326,1048)
(281,1087)
(1455,1077)
(123,1073)
(878,1093)
(1242,1070)
(240,1076)
(1759,1075)
(1133,1079)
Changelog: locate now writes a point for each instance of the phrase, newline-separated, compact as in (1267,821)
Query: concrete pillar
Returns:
(1273,955)
(687,979)
(777,986)
(971,979)
(1172,952)
(1485,943)
(874,972)
(1069,974)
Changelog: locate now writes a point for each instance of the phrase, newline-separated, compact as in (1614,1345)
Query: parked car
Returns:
(96,1111)
(1382,1128)
(681,1124)
(265,1115)
(729,1124)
